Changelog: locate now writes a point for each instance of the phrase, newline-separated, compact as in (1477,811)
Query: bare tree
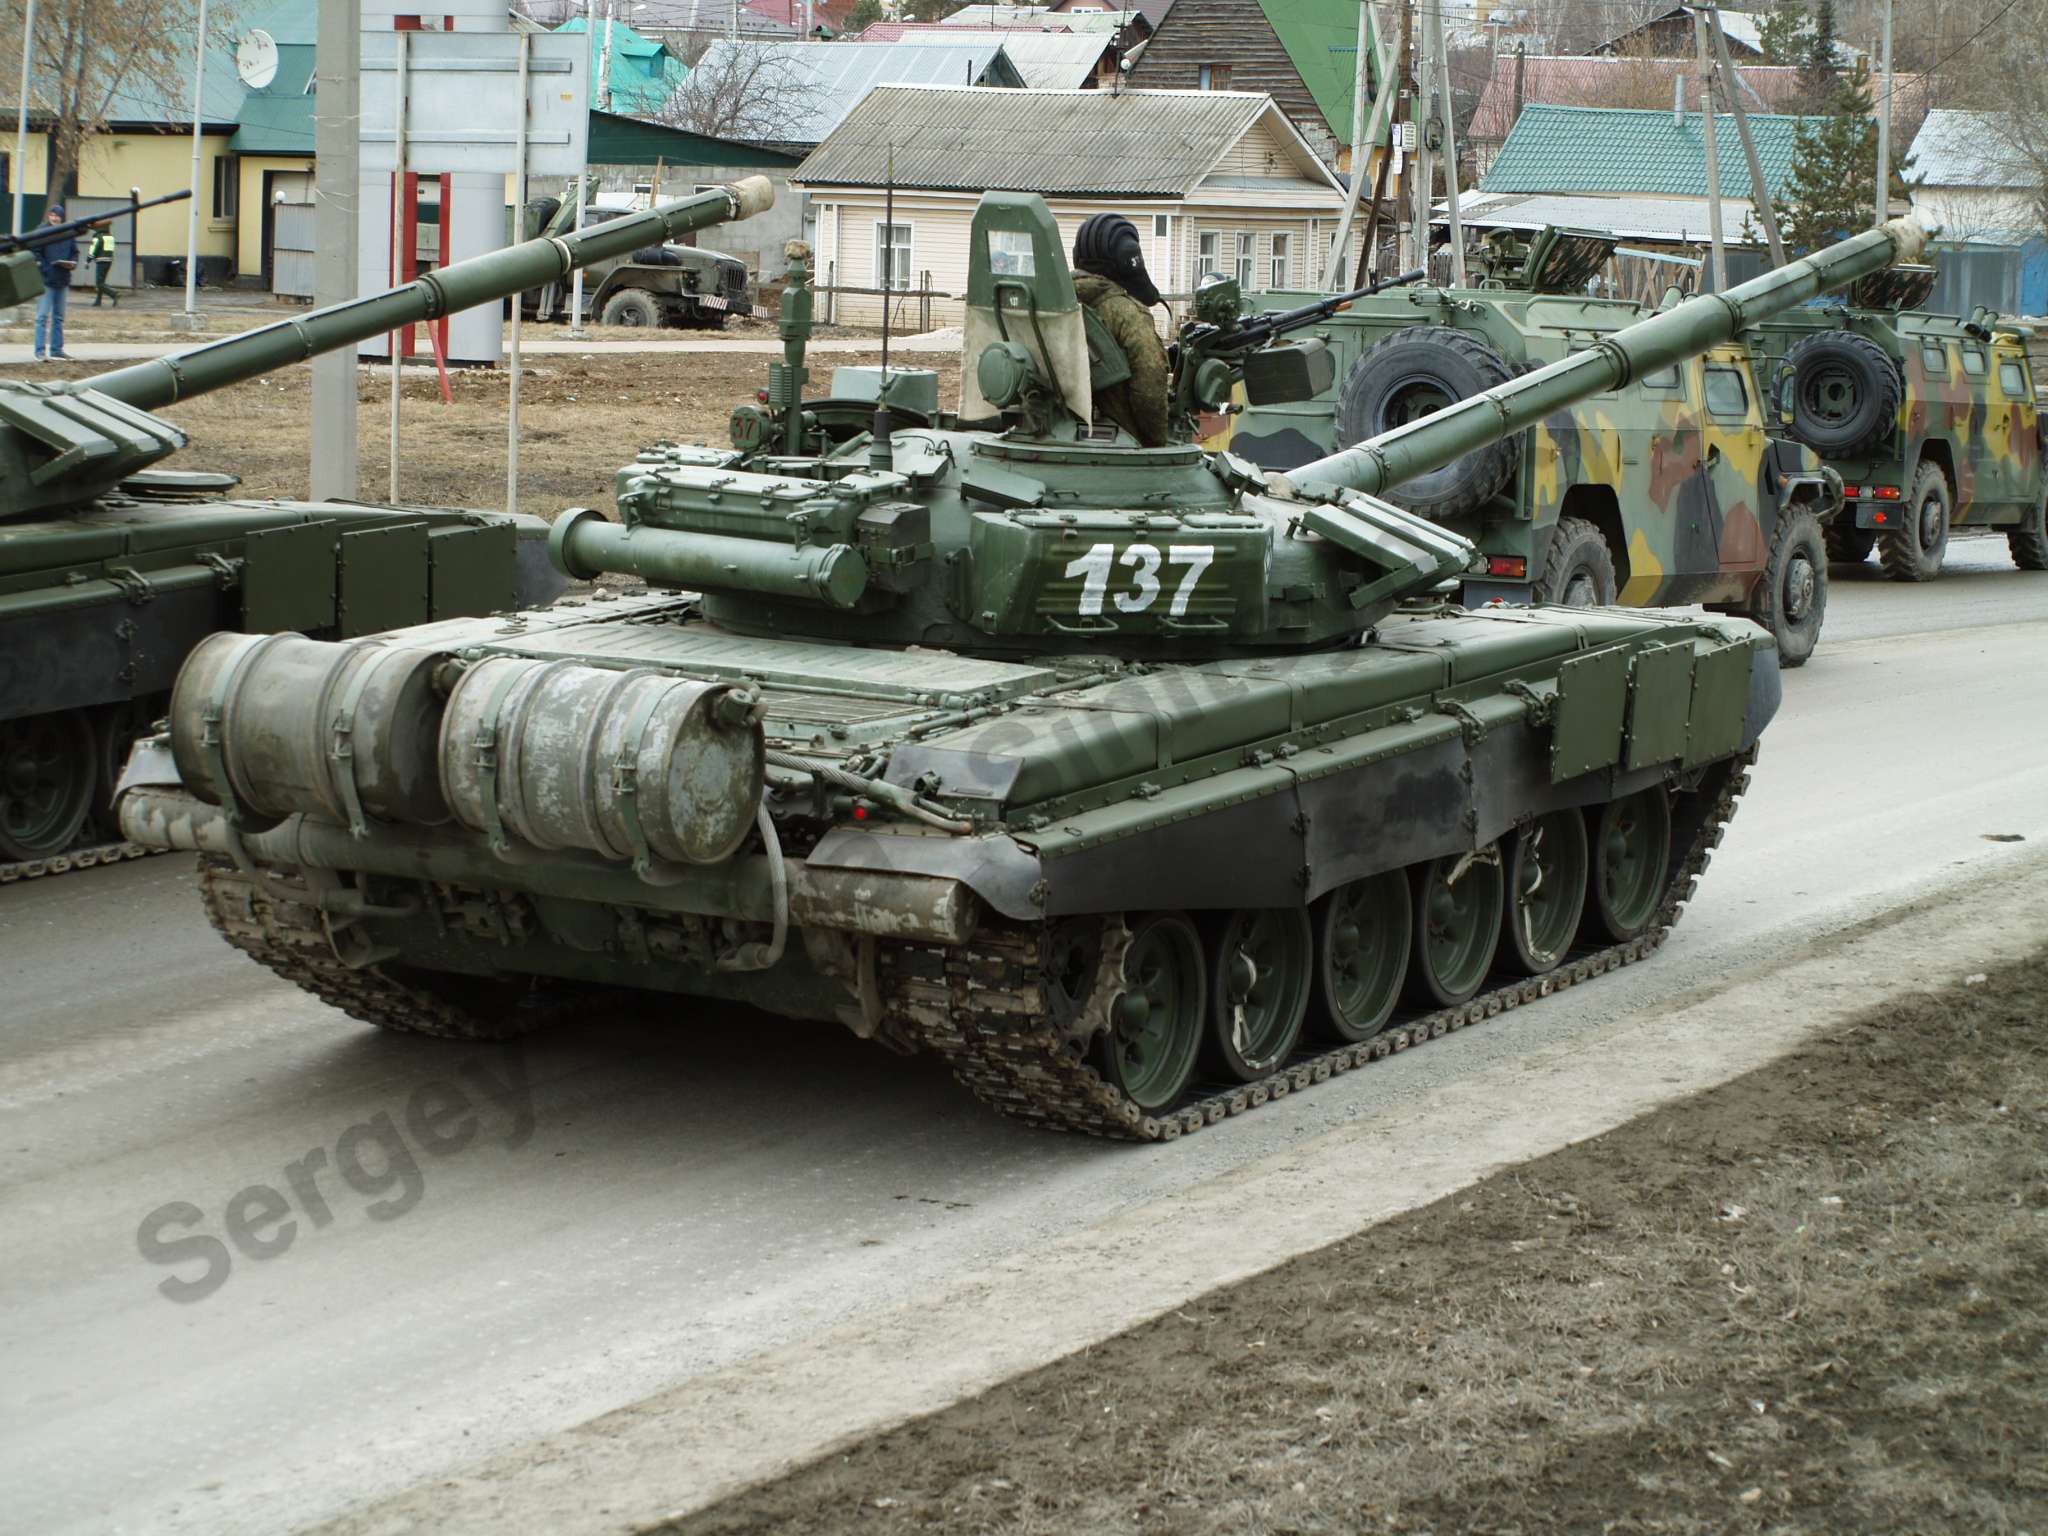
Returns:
(90,55)
(745,90)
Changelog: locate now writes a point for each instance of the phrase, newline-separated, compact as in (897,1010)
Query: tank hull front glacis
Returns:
(1090,796)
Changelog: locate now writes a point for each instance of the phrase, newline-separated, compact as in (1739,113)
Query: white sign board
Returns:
(461,95)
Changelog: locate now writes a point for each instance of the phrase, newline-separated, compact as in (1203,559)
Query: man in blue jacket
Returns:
(56,262)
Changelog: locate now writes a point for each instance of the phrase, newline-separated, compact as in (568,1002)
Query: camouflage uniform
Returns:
(1138,405)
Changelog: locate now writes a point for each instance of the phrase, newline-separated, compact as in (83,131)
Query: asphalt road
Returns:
(622,1206)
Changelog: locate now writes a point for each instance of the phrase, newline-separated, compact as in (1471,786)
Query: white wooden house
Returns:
(1216,181)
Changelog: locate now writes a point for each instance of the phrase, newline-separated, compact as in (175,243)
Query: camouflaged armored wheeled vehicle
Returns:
(1141,785)
(1931,421)
(1671,488)
(112,569)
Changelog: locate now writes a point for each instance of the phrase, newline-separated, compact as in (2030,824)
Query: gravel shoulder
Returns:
(1814,1299)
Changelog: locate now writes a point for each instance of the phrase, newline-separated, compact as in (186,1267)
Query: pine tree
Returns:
(1834,163)
(864,14)
(1816,59)
(1782,33)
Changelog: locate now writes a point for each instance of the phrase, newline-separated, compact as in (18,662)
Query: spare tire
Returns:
(1403,378)
(1845,393)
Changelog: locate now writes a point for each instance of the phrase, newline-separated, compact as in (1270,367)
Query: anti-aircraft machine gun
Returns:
(112,568)
(1141,786)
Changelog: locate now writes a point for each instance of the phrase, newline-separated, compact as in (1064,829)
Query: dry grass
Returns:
(1812,1301)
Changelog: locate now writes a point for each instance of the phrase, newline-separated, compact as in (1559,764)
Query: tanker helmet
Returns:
(1107,245)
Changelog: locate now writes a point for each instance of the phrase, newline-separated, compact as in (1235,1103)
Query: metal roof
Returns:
(842,73)
(1059,143)
(1048,61)
(1968,149)
(1668,220)
(1629,150)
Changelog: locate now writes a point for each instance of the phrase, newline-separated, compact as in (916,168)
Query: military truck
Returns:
(112,567)
(662,284)
(1931,421)
(1670,488)
(1140,785)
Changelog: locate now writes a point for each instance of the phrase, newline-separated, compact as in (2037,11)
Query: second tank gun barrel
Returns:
(485,279)
(1651,345)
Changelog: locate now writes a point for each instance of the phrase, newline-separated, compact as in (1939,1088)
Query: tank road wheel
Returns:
(1791,595)
(1631,842)
(1155,1028)
(2029,541)
(1362,932)
(1849,545)
(1457,926)
(47,780)
(1845,393)
(1579,569)
(1913,551)
(632,307)
(1546,892)
(1403,378)
(1261,969)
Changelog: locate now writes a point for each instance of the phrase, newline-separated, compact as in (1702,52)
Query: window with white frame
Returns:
(892,255)
(1247,246)
(1278,274)
(1208,253)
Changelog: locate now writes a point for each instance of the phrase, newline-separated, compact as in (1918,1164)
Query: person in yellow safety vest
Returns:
(101,254)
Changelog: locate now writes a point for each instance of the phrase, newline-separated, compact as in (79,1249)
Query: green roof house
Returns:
(643,73)
(1626,151)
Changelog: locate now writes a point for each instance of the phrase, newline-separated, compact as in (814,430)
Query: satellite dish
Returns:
(256,59)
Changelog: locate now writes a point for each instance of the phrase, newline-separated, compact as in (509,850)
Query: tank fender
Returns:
(994,867)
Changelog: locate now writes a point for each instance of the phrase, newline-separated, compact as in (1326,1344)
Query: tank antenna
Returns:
(881,445)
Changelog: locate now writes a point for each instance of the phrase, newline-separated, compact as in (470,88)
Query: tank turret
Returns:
(112,568)
(1023,524)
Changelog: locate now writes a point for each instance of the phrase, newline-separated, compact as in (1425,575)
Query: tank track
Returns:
(85,856)
(277,922)
(980,1007)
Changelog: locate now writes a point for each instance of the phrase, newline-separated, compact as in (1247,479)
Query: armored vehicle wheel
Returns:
(1546,881)
(1155,1028)
(632,307)
(47,781)
(1261,970)
(1458,903)
(1791,596)
(1845,393)
(1579,570)
(1849,546)
(1362,936)
(1913,551)
(2029,541)
(1407,376)
(1631,848)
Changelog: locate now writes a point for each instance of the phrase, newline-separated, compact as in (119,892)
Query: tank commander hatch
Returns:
(1112,282)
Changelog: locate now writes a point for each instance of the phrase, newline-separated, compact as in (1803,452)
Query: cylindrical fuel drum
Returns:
(630,765)
(269,725)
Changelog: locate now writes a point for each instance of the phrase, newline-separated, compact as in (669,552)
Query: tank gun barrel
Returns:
(48,234)
(481,280)
(1647,347)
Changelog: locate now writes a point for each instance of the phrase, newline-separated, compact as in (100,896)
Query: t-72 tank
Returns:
(112,569)
(1111,774)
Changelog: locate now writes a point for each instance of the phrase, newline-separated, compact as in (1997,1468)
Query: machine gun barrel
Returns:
(1261,329)
(46,234)
(1647,347)
(481,280)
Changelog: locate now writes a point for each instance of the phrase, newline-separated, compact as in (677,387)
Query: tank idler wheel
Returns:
(1261,969)
(1362,936)
(47,779)
(1631,845)
(1156,1026)
(1847,545)
(1458,904)
(1914,550)
(1546,892)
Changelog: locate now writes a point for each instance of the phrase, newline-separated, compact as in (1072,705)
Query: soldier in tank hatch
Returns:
(1113,282)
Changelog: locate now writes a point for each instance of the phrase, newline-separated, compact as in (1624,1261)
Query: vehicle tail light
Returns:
(1887,493)
(1507,565)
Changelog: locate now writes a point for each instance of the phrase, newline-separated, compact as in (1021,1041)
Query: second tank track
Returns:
(980,1006)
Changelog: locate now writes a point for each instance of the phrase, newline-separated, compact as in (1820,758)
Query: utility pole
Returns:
(190,319)
(1421,113)
(1447,118)
(1884,125)
(1699,40)
(1759,189)
(1365,132)
(1404,137)
(336,104)
(28,32)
